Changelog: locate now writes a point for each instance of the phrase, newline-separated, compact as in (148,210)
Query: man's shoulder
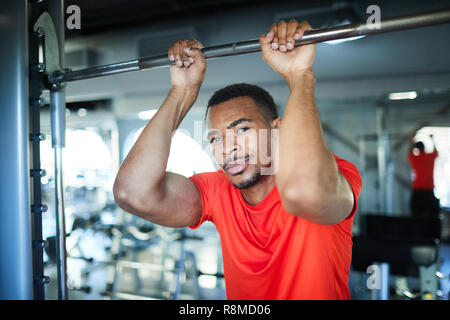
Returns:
(209,179)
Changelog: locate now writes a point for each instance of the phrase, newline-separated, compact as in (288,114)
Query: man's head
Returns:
(239,120)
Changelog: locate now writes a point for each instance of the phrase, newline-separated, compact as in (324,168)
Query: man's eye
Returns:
(214,139)
(243,129)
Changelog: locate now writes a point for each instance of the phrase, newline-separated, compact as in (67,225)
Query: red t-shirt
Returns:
(269,253)
(423,169)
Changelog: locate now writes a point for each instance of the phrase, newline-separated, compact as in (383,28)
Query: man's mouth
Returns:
(236,166)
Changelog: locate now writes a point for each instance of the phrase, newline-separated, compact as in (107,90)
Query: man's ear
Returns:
(276,123)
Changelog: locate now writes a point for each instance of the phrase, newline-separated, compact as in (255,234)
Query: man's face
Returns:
(240,140)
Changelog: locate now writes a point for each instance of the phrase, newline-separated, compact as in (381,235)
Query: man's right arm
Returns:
(142,186)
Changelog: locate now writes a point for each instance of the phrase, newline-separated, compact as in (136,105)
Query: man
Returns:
(285,227)
(423,201)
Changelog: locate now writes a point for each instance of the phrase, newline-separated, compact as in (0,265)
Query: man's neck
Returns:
(256,193)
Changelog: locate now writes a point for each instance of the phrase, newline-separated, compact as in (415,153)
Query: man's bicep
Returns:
(181,203)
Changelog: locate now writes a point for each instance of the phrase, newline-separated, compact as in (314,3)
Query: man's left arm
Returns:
(308,179)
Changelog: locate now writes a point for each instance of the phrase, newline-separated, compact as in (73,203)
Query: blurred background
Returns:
(373,94)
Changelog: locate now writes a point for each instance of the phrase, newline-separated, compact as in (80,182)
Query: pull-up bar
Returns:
(249,46)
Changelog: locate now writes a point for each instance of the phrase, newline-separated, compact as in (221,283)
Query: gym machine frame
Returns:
(236,48)
(55,77)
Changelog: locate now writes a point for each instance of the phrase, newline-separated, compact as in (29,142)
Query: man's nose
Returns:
(230,147)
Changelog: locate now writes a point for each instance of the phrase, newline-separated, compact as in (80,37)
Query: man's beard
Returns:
(247,183)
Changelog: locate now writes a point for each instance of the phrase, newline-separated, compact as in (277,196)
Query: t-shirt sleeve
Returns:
(351,173)
(204,186)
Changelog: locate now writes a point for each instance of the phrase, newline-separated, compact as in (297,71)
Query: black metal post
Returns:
(35,90)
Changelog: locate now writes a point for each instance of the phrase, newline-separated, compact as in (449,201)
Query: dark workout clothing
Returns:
(423,202)
(269,253)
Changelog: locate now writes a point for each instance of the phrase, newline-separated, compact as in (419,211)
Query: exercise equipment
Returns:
(184,265)
(236,48)
(400,246)
(130,236)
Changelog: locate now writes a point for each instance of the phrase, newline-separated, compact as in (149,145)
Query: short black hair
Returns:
(262,98)
(419,145)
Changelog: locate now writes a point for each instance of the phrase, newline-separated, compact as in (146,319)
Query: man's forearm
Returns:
(308,178)
(307,167)
(144,167)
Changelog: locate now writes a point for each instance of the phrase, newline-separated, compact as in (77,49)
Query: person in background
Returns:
(423,201)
